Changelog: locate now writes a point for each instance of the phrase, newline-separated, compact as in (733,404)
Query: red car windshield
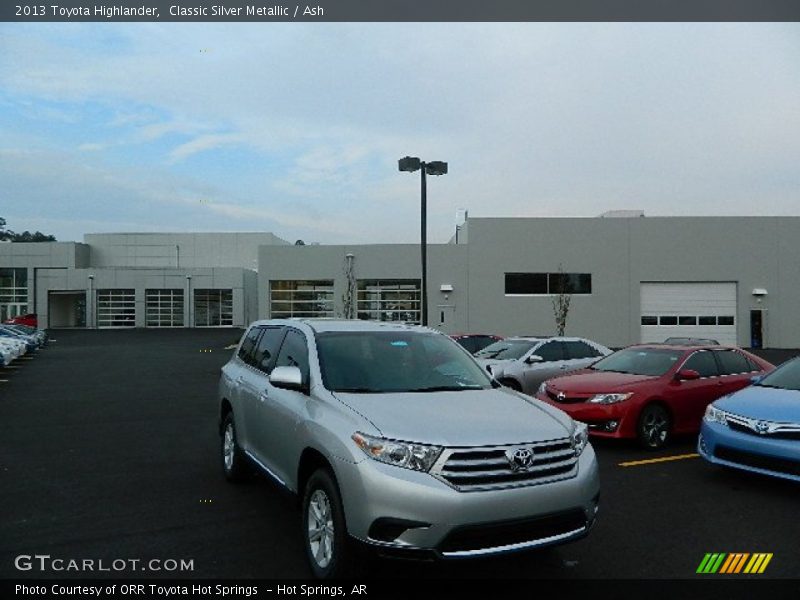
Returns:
(639,361)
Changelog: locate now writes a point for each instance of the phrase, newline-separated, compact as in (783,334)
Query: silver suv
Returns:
(395,439)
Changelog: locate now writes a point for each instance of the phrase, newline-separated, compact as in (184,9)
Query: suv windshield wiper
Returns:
(447,388)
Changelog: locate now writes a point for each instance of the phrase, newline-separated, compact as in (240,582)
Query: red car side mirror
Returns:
(687,375)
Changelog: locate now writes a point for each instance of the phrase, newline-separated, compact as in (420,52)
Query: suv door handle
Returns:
(239,379)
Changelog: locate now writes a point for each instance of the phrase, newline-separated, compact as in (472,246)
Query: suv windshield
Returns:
(785,377)
(396,361)
(639,361)
(506,349)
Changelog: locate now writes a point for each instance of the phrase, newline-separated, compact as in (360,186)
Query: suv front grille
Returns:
(471,469)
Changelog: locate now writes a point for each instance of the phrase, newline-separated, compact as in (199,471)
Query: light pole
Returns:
(437,167)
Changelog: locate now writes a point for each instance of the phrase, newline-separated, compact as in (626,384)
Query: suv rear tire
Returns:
(329,550)
(234,461)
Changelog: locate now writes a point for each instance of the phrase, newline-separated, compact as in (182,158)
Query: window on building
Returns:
(547,283)
(116,308)
(668,320)
(706,320)
(649,320)
(726,320)
(164,308)
(301,298)
(213,308)
(13,293)
(687,320)
(389,300)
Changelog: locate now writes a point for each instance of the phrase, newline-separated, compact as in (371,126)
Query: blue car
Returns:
(758,428)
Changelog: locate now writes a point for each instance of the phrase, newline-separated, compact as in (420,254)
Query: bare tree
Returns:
(561,301)
(349,296)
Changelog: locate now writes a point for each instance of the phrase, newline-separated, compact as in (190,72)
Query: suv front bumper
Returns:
(429,518)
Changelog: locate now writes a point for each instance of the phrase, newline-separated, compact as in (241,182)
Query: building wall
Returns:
(754,252)
(178,250)
(447,265)
(142,279)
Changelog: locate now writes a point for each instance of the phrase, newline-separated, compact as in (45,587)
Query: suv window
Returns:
(703,362)
(249,344)
(264,355)
(731,362)
(579,350)
(294,352)
(550,351)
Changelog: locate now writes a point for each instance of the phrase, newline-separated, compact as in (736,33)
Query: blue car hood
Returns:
(765,403)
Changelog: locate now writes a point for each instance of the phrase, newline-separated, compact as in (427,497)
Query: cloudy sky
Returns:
(296,128)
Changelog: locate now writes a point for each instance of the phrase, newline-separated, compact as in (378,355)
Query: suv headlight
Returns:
(418,457)
(715,415)
(580,437)
(609,398)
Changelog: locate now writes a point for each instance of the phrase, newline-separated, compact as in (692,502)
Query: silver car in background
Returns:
(523,363)
(397,441)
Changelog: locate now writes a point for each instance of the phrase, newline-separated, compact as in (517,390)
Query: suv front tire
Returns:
(328,547)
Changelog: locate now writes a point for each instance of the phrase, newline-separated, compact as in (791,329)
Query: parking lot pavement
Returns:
(109,451)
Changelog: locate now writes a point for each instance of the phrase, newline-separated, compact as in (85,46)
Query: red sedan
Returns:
(29,320)
(650,392)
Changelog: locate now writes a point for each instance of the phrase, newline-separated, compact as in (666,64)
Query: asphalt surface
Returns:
(109,450)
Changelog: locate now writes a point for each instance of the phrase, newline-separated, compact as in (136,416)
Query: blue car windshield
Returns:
(785,377)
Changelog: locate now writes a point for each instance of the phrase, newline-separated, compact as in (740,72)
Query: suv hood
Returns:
(588,381)
(470,418)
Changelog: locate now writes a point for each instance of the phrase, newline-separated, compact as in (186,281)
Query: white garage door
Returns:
(705,310)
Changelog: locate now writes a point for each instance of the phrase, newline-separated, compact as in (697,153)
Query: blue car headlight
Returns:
(715,415)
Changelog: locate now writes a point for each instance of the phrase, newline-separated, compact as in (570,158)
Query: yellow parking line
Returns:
(650,461)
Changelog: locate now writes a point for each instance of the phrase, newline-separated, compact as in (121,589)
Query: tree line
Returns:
(6,235)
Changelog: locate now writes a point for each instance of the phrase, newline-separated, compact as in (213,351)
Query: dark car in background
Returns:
(651,392)
(474,342)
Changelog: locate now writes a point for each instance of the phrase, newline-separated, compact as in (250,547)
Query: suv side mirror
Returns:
(533,358)
(687,375)
(287,378)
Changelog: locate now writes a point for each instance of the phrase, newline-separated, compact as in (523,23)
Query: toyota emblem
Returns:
(762,427)
(520,459)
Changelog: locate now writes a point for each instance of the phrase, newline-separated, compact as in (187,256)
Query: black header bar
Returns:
(401,10)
